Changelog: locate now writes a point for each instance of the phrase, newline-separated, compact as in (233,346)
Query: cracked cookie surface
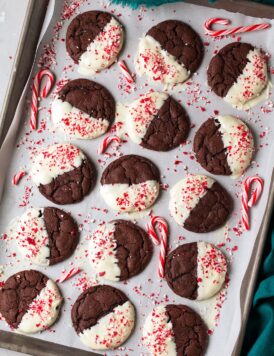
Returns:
(83,29)
(130,169)
(103,317)
(45,236)
(181,270)
(199,203)
(181,41)
(90,97)
(168,129)
(119,250)
(209,148)
(62,173)
(30,302)
(17,294)
(93,304)
(196,270)
(62,232)
(134,248)
(224,145)
(211,211)
(70,187)
(94,40)
(226,66)
(189,330)
(130,184)
(174,330)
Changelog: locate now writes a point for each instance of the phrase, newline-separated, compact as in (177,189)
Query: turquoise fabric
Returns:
(269,2)
(259,338)
(149,3)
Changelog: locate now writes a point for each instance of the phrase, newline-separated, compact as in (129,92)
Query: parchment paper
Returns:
(221,313)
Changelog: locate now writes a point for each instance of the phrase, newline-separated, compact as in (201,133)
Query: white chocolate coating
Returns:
(141,112)
(43,311)
(121,118)
(111,330)
(158,335)
(211,270)
(103,51)
(251,83)
(54,161)
(130,198)
(158,64)
(76,123)
(186,194)
(238,140)
(102,252)
(32,238)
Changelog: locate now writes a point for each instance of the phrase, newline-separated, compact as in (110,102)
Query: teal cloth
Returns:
(259,337)
(149,3)
(269,2)
(134,4)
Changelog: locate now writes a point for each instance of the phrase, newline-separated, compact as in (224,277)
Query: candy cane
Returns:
(248,203)
(35,93)
(68,275)
(240,29)
(106,142)
(126,72)
(162,239)
(17,177)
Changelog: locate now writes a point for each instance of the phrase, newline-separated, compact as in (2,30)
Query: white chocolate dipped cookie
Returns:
(94,40)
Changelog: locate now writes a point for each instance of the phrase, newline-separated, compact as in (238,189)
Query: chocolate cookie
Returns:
(30,302)
(238,74)
(83,109)
(169,53)
(224,146)
(196,270)
(94,40)
(103,317)
(199,203)
(46,236)
(130,183)
(158,122)
(63,174)
(119,250)
(175,330)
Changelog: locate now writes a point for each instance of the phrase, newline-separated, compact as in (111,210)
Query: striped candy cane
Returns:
(248,203)
(68,275)
(126,72)
(106,142)
(35,93)
(162,239)
(17,177)
(240,29)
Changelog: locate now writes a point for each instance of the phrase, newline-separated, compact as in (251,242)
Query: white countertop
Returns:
(12,13)
(4,352)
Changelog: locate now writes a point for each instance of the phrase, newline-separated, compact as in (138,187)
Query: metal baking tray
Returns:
(24,58)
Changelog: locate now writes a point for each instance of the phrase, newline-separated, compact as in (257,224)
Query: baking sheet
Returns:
(146,289)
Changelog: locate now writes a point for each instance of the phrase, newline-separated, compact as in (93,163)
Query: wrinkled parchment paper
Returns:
(222,312)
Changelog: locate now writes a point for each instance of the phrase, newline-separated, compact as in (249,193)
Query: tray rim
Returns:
(26,344)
